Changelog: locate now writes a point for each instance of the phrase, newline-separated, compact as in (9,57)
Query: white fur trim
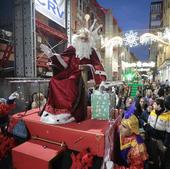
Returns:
(60,59)
(100,72)
(49,118)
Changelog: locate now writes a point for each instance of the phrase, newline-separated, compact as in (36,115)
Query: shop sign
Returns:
(52,9)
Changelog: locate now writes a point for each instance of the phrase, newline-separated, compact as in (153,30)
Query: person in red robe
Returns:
(66,89)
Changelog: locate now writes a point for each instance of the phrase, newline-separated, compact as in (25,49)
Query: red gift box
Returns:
(34,155)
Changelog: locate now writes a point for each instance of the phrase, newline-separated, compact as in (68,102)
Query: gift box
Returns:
(102,105)
(34,155)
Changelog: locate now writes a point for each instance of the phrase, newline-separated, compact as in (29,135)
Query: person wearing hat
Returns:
(132,151)
(6,105)
(65,101)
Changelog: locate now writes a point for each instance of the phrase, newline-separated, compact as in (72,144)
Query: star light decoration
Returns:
(131,39)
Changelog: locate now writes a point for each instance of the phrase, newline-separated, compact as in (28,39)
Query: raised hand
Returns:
(47,51)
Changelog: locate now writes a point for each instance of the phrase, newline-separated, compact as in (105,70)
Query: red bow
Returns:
(82,160)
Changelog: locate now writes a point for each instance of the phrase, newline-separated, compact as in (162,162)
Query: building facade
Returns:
(163,63)
(37,27)
(155,25)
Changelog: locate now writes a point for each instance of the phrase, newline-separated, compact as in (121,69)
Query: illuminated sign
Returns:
(52,9)
(144,69)
(141,64)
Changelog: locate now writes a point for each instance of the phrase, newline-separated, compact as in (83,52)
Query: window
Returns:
(84,6)
(80,4)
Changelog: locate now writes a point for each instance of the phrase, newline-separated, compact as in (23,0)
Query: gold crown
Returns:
(89,33)
(133,123)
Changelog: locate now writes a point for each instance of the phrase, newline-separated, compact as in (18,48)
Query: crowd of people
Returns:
(150,111)
(143,137)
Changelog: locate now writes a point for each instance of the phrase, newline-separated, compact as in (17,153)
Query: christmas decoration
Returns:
(131,39)
(147,39)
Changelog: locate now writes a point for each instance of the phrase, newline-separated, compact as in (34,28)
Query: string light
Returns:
(147,39)
(132,39)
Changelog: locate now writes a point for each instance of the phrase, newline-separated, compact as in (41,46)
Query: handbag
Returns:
(20,130)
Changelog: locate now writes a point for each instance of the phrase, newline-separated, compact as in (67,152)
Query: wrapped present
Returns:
(102,105)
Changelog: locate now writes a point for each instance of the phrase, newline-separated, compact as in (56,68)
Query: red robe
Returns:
(66,93)
(135,152)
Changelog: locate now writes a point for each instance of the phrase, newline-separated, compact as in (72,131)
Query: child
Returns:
(39,101)
(132,151)
(5,107)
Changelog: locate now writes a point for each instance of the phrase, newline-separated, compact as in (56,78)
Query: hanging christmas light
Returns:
(131,39)
(116,41)
(147,39)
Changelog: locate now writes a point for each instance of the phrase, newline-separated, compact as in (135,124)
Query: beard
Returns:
(83,48)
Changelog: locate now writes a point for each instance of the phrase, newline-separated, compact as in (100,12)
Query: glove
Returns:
(12,97)
(161,146)
(47,51)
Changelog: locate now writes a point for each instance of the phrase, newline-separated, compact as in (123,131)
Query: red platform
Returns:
(77,136)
